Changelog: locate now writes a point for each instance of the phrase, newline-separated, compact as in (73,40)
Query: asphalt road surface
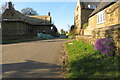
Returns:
(37,59)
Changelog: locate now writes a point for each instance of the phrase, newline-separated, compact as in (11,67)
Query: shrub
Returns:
(85,25)
(72,36)
(105,46)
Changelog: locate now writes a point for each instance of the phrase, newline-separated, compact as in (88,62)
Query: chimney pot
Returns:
(48,13)
(10,5)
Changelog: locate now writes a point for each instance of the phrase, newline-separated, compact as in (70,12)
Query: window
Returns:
(91,6)
(101,17)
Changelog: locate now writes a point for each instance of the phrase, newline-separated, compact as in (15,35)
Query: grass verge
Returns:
(85,62)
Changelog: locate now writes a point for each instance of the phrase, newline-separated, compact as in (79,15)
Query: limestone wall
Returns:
(109,32)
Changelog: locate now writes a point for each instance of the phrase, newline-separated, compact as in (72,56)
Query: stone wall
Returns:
(105,32)
(87,39)
(109,32)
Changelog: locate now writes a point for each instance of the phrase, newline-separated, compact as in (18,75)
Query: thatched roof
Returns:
(33,20)
(30,20)
(40,17)
(102,6)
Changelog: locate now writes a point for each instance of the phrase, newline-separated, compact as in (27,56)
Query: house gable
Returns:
(10,14)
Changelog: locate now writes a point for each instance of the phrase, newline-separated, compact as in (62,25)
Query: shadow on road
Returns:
(30,69)
(55,40)
(26,41)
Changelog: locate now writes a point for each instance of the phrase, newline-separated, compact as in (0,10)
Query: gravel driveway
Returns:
(37,59)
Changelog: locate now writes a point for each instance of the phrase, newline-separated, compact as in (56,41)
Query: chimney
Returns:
(10,5)
(48,13)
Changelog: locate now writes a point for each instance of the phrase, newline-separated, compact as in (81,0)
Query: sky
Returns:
(62,13)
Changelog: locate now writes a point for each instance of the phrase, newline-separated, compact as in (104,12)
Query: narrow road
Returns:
(37,59)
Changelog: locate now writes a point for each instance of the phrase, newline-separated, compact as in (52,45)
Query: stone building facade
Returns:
(106,14)
(104,22)
(17,26)
(82,12)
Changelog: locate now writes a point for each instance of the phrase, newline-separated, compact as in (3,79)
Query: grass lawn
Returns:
(85,62)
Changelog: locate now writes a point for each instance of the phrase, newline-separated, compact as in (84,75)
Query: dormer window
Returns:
(91,6)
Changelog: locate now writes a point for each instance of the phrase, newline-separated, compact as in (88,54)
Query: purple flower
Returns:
(105,45)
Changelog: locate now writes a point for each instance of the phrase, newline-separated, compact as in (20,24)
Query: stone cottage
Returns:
(82,12)
(104,22)
(105,15)
(16,25)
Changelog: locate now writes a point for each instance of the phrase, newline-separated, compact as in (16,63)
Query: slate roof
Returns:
(102,6)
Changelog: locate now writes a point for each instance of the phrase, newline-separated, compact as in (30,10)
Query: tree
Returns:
(54,29)
(28,11)
(3,7)
(72,29)
(62,31)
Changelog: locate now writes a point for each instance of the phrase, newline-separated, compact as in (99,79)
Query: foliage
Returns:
(85,62)
(105,46)
(3,7)
(72,29)
(28,11)
(54,29)
(63,31)
(85,25)
(71,36)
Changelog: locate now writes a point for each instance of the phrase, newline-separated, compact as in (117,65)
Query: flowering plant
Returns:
(105,46)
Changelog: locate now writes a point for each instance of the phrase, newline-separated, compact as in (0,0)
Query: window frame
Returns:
(101,17)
